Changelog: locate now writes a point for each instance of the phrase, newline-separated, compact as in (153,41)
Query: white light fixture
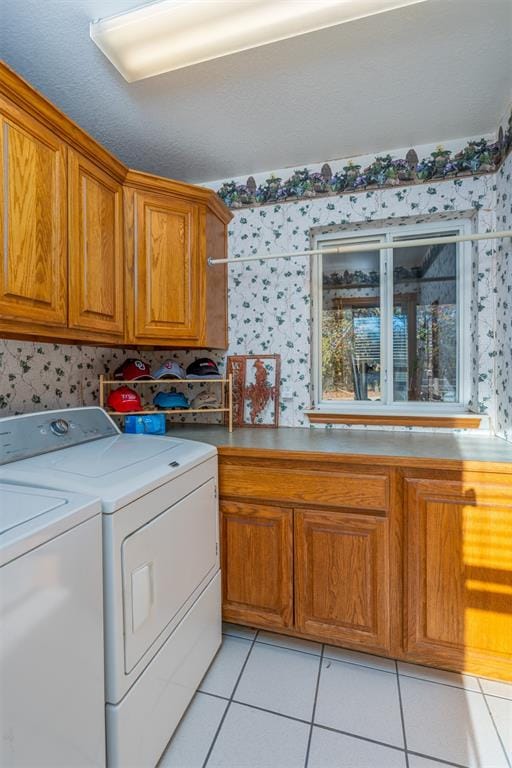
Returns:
(172,34)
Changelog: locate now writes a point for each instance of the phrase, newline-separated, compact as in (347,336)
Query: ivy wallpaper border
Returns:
(476,158)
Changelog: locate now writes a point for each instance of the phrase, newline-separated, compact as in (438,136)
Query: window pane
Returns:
(351,325)
(425,323)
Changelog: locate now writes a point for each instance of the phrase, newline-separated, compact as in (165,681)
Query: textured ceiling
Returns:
(437,70)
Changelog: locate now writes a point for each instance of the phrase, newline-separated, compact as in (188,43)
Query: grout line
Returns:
(439,682)
(495,680)
(494,724)
(289,648)
(271,712)
(402,714)
(213,695)
(361,738)
(493,696)
(364,666)
(240,637)
(436,759)
(306,759)
(210,749)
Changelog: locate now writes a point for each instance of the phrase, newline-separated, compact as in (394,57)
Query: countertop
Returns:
(380,445)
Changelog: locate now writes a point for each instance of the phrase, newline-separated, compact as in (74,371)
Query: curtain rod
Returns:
(355,248)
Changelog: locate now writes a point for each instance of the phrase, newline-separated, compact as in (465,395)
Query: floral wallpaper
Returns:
(503,358)
(35,376)
(270,302)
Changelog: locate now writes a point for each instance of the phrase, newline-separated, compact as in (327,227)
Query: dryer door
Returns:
(166,564)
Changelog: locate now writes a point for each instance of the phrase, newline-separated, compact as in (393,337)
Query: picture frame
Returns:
(256,380)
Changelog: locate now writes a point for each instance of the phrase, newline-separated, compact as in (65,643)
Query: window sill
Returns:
(438,420)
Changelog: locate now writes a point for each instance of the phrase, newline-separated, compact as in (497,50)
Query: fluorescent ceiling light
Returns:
(172,34)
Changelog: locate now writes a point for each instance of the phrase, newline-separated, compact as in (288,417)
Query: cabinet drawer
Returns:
(351,488)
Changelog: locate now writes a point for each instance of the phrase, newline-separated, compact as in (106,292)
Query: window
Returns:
(390,323)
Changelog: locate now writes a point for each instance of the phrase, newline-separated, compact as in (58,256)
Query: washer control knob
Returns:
(59,427)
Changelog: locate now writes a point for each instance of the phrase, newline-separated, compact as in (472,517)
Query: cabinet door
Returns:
(33,226)
(459,574)
(257,564)
(342,577)
(166,269)
(96,266)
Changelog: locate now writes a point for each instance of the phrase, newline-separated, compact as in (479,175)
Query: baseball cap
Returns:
(172,399)
(203,368)
(169,370)
(132,369)
(205,400)
(124,399)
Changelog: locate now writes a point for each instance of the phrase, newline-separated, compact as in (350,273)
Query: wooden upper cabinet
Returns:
(342,588)
(33,222)
(95,252)
(96,259)
(165,298)
(257,564)
(459,575)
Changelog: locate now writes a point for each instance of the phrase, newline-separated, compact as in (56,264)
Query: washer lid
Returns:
(31,516)
(18,505)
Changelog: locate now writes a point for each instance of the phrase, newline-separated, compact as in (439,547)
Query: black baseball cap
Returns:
(203,368)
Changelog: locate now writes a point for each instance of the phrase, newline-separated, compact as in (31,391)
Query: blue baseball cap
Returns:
(168,400)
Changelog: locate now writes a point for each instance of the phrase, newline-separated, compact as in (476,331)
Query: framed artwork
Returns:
(255,389)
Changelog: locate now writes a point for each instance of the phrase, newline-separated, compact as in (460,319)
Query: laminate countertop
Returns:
(381,446)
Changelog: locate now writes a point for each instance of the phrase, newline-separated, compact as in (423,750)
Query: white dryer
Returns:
(162,599)
(51,637)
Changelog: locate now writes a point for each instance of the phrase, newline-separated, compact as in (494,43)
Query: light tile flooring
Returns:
(270,701)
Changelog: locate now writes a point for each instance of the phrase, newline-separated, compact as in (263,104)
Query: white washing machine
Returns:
(162,596)
(51,637)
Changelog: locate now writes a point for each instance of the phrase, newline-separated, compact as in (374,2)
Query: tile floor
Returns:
(270,701)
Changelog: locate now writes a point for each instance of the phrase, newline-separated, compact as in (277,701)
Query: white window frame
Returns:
(386,237)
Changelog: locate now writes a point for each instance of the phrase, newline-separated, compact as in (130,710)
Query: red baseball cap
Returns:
(124,399)
(133,369)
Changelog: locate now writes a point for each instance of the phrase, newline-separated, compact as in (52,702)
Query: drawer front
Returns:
(350,488)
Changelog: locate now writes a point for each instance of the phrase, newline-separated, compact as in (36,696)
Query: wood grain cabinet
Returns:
(96,260)
(459,574)
(173,296)
(165,297)
(94,252)
(257,564)
(412,562)
(342,577)
(33,222)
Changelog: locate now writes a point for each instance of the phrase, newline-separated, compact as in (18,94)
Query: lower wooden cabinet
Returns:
(459,575)
(425,577)
(322,573)
(342,577)
(257,564)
